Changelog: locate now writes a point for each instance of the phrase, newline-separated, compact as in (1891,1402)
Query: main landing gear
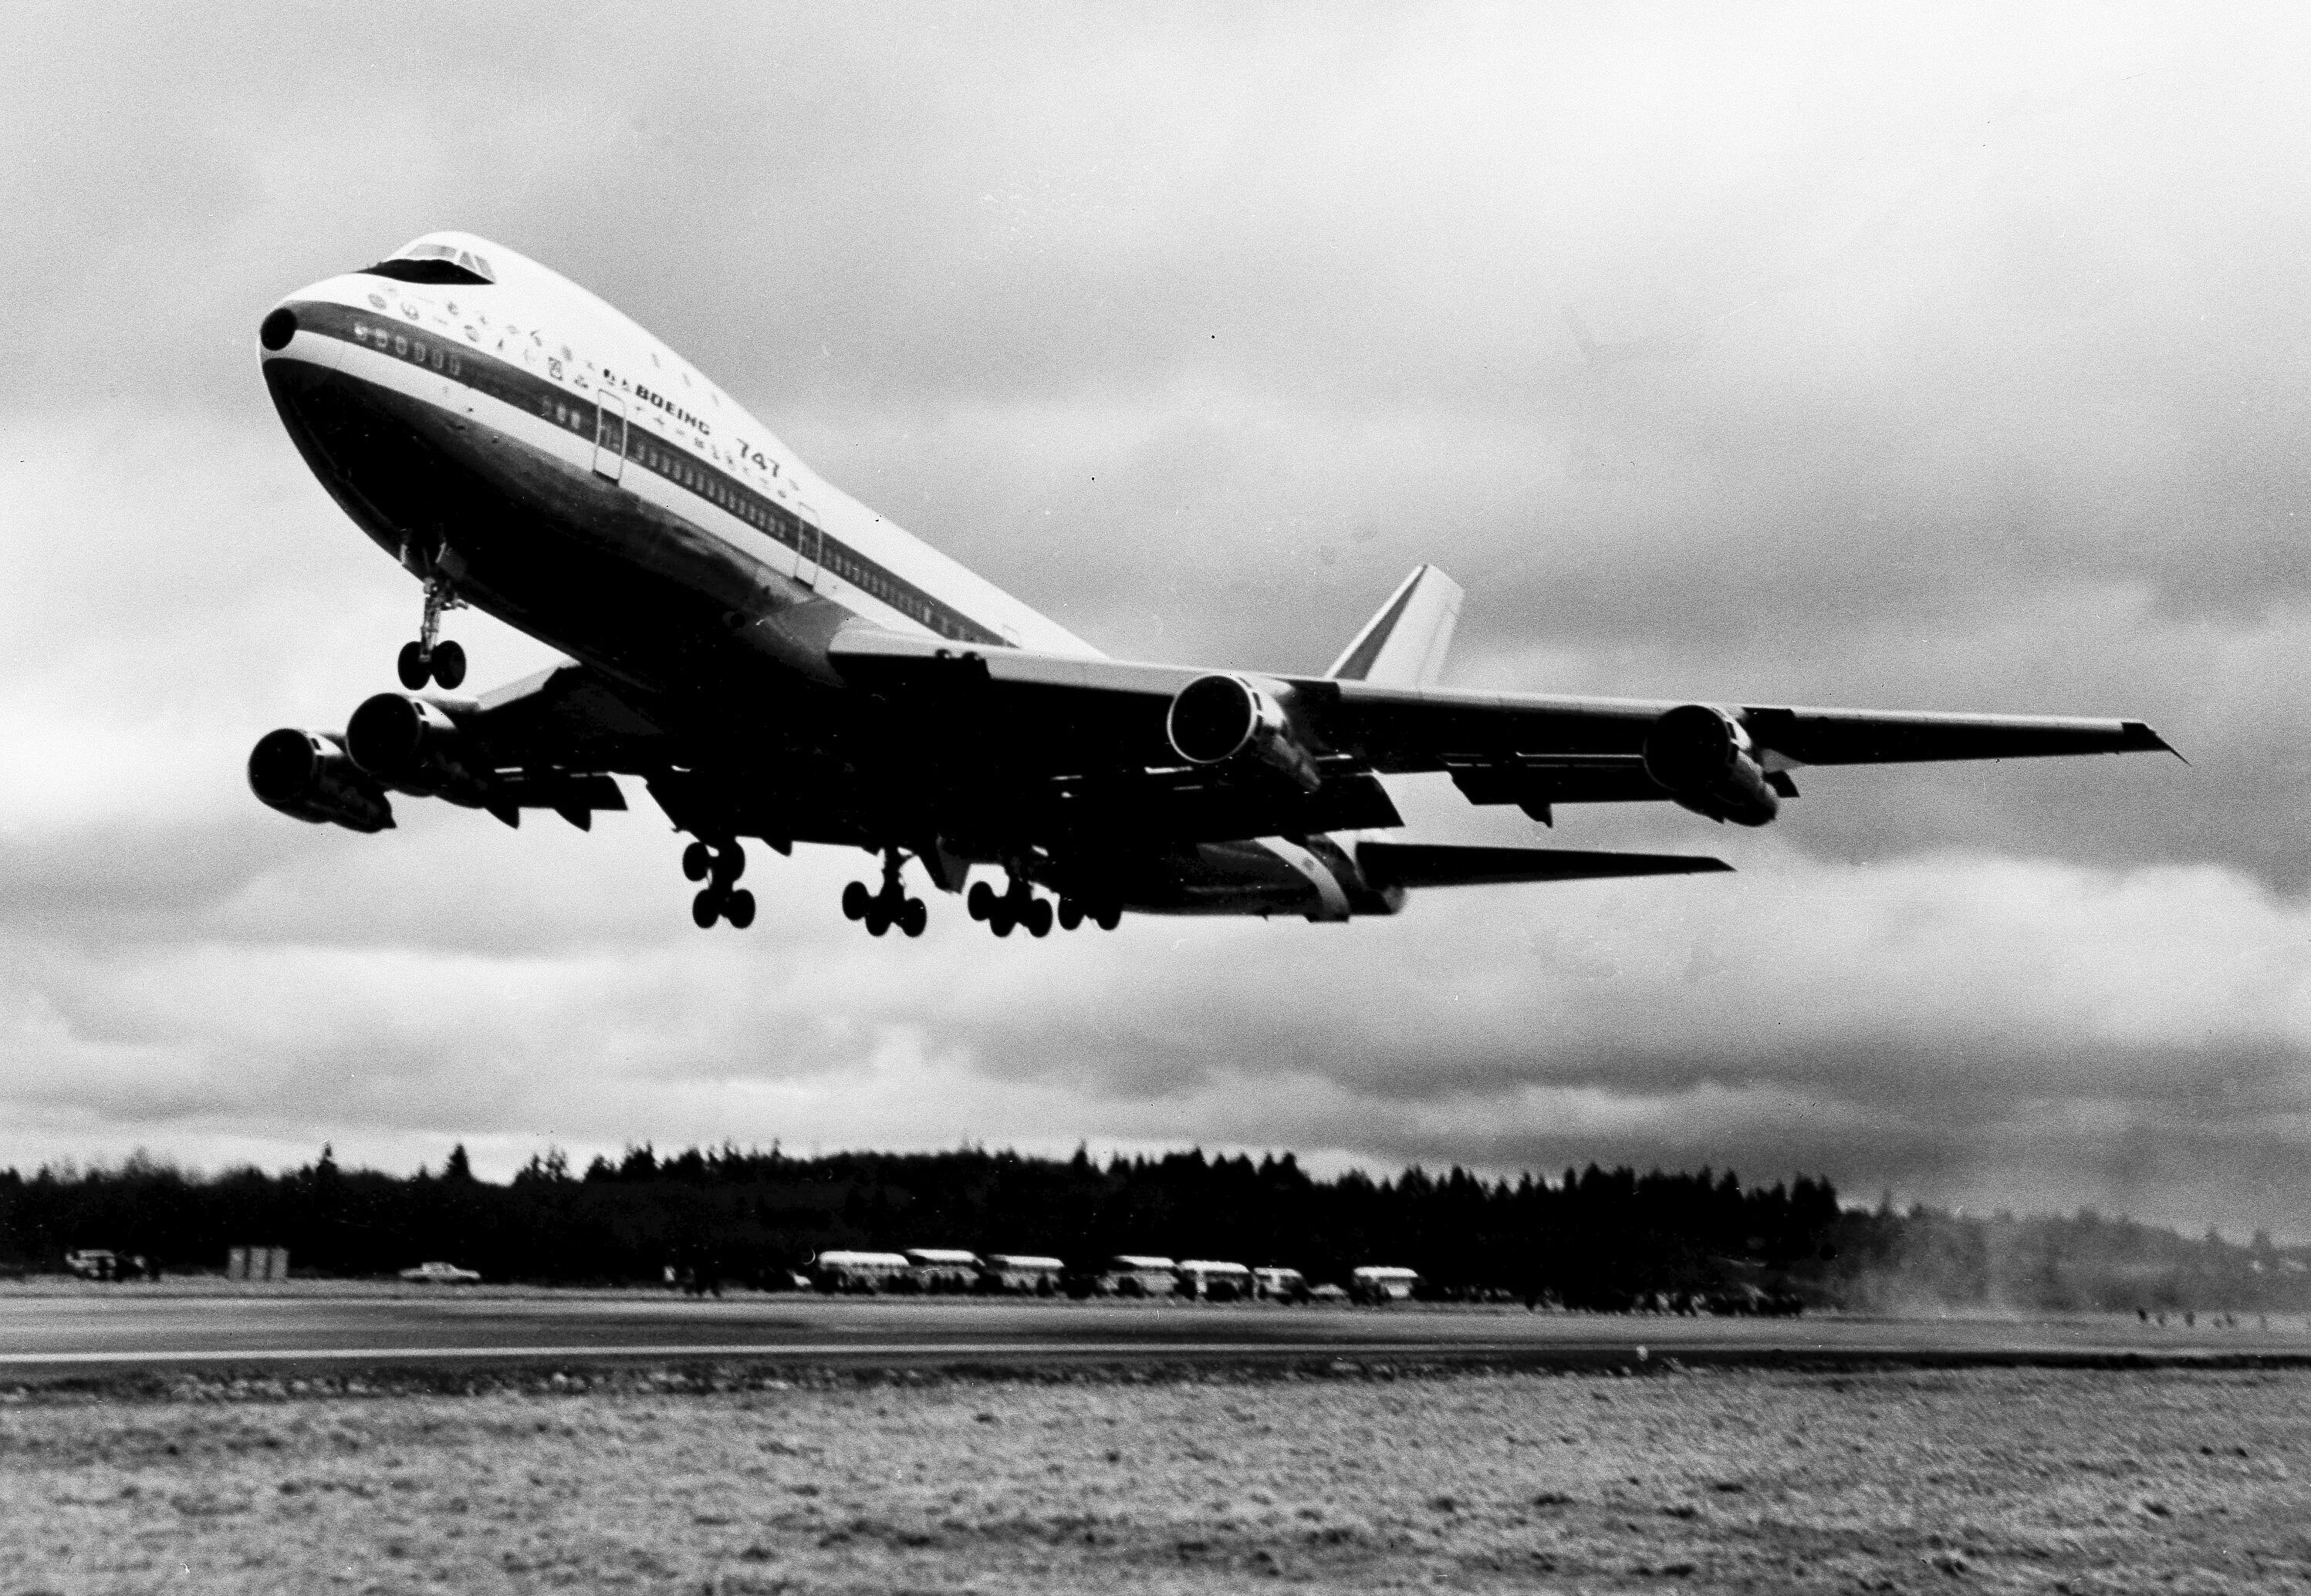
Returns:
(430,659)
(890,907)
(719,867)
(1019,906)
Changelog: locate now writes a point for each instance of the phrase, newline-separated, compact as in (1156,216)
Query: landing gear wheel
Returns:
(982,901)
(1109,918)
(1037,917)
(740,910)
(1000,921)
(878,922)
(913,916)
(706,908)
(1071,913)
(697,859)
(413,667)
(856,901)
(450,665)
(729,864)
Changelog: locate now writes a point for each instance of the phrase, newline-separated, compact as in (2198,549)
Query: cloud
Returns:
(1955,366)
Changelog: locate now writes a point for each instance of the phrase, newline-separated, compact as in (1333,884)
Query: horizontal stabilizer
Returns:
(1440,865)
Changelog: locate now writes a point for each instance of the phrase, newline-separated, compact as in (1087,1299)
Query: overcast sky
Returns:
(1956,358)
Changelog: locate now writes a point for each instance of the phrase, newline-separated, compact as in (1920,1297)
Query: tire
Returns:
(982,901)
(1037,917)
(1110,919)
(412,668)
(706,908)
(450,666)
(878,922)
(729,865)
(740,910)
(856,901)
(697,859)
(1071,913)
(913,916)
(1000,921)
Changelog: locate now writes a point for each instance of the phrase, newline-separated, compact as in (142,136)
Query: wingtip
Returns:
(2142,739)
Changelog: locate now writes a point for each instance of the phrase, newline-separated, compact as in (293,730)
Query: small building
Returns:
(1207,1279)
(943,1269)
(257,1263)
(1138,1274)
(1282,1285)
(1378,1283)
(1028,1273)
(853,1273)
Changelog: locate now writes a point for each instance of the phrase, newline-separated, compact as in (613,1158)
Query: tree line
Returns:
(1589,1238)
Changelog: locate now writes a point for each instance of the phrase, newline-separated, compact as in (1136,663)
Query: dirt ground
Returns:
(1349,1479)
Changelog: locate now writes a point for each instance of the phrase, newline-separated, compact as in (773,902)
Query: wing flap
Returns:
(1443,864)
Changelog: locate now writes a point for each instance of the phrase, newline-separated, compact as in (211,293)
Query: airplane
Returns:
(776,662)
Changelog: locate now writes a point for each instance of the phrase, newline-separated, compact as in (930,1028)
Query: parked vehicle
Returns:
(1327,1293)
(1138,1274)
(94,1263)
(1279,1285)
(1027,1273)
(1207,1279)
(859,1274)
(438,1273)
(943,1269)
(1375,1285)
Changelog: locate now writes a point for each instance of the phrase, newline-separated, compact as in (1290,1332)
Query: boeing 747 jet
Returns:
(774,661)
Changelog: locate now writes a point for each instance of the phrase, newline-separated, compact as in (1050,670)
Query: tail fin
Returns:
(1404,644)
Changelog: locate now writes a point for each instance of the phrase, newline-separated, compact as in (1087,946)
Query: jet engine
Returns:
(308,775)
(1218,717)
(411,744)
(1704,757)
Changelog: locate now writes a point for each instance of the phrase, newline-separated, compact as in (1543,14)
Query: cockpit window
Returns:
(434,263)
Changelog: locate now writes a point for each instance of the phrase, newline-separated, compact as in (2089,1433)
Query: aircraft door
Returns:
(807,545)
(609,436)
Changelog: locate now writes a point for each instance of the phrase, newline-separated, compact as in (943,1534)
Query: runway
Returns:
(44,1337)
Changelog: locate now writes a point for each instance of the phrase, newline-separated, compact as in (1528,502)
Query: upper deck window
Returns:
(434,263)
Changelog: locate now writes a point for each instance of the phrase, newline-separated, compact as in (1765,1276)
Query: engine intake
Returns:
(306,774)
(1706,761)
(1214,718)
(411,744)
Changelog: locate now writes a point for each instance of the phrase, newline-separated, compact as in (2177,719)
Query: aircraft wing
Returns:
(1441,864)
(1084,711)
(549,741)
(564,716)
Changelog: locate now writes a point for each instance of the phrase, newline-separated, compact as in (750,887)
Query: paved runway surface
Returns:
(45,1336)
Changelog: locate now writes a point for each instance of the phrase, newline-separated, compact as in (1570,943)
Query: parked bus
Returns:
(1206,1280)
(1376,1284)
(857,1274)
(1028,1273)
(1138,1274)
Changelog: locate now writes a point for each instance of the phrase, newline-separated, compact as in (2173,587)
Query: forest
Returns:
(1594,1239)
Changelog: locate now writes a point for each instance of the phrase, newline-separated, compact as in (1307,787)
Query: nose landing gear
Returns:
(430,659)
(720,899)
(891,906)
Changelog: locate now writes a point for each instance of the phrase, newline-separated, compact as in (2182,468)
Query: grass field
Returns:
(1354,1479)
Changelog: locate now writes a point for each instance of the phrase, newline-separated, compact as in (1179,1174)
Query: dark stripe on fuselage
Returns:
(385,333)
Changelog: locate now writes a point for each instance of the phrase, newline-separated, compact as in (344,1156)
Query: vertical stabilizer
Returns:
(1404,644)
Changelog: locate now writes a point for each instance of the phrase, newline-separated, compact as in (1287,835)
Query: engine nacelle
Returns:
(1220,717)
(1704,757)
(308,775)
(411,744)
